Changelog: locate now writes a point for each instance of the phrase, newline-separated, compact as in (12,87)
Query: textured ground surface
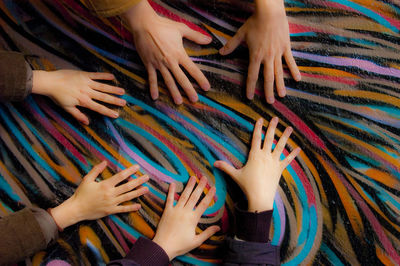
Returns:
(338,203)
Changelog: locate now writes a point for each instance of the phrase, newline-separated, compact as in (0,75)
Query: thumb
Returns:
(195,36)
(95,172)
(232,44)
(227,168)
(206,234)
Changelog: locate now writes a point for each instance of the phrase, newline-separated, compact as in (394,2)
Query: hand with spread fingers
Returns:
(93,200)
(158,41)
(176,232)
(266,33)
(259,178)
(71,88)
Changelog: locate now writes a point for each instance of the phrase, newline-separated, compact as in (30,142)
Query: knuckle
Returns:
(259,54)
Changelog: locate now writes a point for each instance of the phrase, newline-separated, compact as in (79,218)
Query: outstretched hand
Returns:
(176,232)
(266,33)
(71,88)
(259,178)
(159,43)
(93,200)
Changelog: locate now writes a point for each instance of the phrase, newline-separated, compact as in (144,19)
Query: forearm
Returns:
(25,233)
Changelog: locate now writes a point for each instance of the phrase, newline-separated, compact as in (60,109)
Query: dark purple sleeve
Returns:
(144,252)
(252,246)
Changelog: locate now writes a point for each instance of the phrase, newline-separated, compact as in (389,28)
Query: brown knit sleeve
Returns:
(13,76)
(21,236)
(108,8)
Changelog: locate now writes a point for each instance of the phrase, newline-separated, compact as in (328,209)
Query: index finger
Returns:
(118,178)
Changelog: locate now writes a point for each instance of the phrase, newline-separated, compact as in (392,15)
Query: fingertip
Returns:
(270,100)
(297,77)
(154,94)
(178,101)
(206,86)
(275,120)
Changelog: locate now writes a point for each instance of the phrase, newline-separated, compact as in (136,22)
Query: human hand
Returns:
(176,232)
(259,178)
(71,88)
(266,33)
(93,200)
(159,43)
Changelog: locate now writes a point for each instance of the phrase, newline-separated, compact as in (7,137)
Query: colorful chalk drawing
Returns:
(338,203)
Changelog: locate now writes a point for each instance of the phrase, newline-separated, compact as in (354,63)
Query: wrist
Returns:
(164,245)
(40,82)
(66,214)
(259,204)
(263,7)
(137,15)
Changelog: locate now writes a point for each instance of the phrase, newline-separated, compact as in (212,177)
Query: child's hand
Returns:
(266,33)
(176,232)
(158,41)
(93,200)
(259,178)
(71,88)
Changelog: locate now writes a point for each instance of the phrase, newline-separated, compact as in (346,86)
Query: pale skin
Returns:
(93,200)
(72,88)
(259,178)
(176,231)
(159,43)
(266,33)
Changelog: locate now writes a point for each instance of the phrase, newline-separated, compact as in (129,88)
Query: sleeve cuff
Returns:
(14,74)
(29,79)
(110,8)
(252,226)
(251,253)
(146,252)
(46,223)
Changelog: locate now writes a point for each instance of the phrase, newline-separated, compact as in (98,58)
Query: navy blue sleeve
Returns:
(251,246)
(145,253)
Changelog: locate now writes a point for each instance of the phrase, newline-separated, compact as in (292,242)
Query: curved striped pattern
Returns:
(338,203)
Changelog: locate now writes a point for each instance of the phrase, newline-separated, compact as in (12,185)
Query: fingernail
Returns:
(121,91)
(178,101)
(290,129)
(115,114)
(206,86)
(298,77)
(207,38)
(122,102)
(250,96)
(270,100)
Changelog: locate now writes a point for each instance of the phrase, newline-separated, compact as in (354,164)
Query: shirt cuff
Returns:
(252,226)
(46,223)
(146,252)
